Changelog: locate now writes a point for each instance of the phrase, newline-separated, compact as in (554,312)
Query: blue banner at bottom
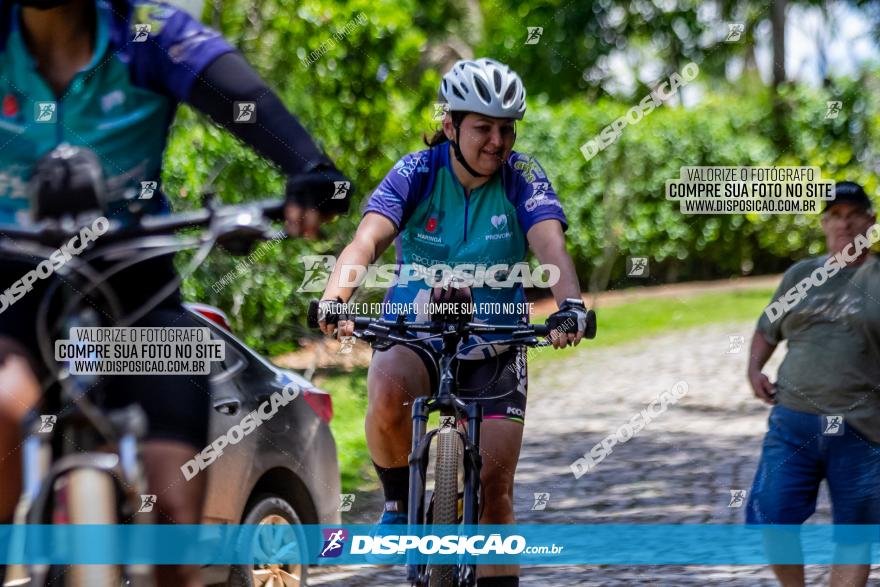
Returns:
(574,544)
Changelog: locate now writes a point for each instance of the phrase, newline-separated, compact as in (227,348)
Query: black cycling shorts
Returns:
(499,383)
(177,406)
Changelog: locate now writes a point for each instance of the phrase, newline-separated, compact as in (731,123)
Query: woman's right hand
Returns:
(331,319)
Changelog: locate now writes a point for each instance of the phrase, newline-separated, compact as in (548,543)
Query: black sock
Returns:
(395,484)
(505,581)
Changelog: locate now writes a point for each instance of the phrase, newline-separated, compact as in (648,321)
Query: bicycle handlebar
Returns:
(223,220)
(389,328)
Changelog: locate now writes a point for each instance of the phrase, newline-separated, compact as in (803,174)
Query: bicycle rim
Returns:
(92,500)
(445,497)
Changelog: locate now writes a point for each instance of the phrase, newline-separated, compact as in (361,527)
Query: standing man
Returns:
(825,421)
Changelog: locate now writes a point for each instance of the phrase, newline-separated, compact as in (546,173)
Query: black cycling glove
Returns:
(324,187)
(573,318)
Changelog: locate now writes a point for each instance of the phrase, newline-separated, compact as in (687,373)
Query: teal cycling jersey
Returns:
(146,58)
(483,232)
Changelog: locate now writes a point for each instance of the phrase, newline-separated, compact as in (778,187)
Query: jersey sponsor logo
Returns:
(534,202)
(499,225)
(406,167)
(529,167)
(499,222)
(10,106)
(431,224)
(429,238)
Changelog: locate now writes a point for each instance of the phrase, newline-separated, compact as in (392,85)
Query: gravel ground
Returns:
(679,469)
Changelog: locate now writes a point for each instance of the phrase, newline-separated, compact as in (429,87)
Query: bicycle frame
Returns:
(48,458)
(449,405)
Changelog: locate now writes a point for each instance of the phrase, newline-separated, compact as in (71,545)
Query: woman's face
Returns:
(485,142)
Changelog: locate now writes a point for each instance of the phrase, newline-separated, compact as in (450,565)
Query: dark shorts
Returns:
(177,406)
(797,455)
(500,383)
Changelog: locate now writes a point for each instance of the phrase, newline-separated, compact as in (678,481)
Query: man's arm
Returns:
(759,354)
(273,132)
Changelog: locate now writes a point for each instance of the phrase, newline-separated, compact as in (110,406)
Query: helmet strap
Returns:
(460,156)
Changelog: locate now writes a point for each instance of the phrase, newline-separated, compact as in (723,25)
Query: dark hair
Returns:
(439,137)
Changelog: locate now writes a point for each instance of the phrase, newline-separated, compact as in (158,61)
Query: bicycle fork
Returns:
(445,403)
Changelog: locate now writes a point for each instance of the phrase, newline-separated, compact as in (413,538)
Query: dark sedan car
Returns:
(285,472)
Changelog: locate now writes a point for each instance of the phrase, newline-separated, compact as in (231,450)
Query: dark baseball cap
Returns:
(849,192)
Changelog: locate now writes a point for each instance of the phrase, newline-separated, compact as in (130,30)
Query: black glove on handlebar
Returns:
(573,318)
(323,187)
(327,311)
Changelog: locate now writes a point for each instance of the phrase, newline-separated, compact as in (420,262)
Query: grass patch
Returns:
(617,324)
(349,393)
(654,316)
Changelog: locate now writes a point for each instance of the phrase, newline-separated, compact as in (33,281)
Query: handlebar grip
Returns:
(361,322)
(312,315)
(274,210)
(541,329)
(591,325)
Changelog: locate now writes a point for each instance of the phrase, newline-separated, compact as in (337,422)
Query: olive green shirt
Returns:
(833,361)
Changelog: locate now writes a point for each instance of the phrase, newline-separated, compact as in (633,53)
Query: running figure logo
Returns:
(737,498)
(45,111)
(346,500)
(440,110)
(834,107)
(346,343)
(541,501)
(318,269)
(833,426)
(148,188)
(734,32)
(637,266)
(141,32)
(147,503)
(334,540)
(342,188)
(47,423)
(735,344)
(246,112)
(534,34)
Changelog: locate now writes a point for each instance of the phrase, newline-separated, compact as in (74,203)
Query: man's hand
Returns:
(315,197)
(762,388)
(300,221)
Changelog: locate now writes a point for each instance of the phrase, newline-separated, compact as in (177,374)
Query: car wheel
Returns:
(270,510)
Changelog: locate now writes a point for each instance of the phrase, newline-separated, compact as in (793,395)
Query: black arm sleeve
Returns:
(276,134)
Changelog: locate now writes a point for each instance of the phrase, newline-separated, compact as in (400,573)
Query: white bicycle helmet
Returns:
(484,86)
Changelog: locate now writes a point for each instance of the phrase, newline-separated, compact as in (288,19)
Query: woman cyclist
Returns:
(468,198)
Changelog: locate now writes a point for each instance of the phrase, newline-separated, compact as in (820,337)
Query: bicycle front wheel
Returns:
(445,496)
(92,500)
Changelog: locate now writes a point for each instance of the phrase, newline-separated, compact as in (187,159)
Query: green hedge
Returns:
(368,96)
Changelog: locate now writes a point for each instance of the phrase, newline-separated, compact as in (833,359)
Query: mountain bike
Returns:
(83,466)
(454,446)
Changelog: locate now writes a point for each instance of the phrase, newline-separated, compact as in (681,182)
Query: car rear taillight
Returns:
(213,314)
(320,402)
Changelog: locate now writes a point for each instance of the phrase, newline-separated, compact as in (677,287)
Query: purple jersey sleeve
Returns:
(532,193)
(396,196)
(176,49)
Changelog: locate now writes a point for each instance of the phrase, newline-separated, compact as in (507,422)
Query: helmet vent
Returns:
(509,95)
(482,90)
